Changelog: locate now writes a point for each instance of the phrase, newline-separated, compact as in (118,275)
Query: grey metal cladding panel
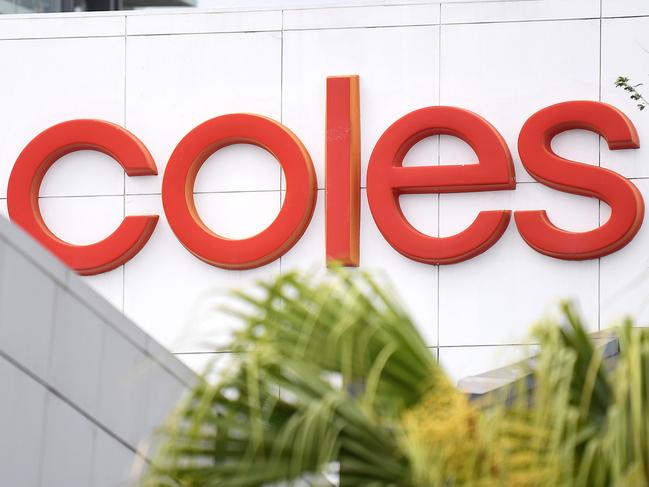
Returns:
(80,347)
(17,238)
(76,352)
(22,411)
(67,446)
(26,311)
(105,309)
(166,391)
(3,247)
(114,465)
(124,391)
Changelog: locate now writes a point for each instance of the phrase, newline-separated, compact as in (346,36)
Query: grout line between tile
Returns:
(483,345)
(123,266)
(258,31)
(281,115)
(212,352)
(439,161)
(114,195)
(53,38)
(599,163)
(50,347)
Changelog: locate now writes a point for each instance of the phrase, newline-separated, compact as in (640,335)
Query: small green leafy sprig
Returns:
(623,82)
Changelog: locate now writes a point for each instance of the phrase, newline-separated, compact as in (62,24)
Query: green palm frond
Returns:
(331,384)
(323,371)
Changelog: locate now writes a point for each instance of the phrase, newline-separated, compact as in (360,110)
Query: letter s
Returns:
(627,205)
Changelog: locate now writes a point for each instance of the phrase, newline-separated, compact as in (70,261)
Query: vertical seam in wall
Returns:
(124,185)
(102,359)
(41,452)
(599,163)
(93,453)
(281,113)
(439,156)
(57,292)
(4,246)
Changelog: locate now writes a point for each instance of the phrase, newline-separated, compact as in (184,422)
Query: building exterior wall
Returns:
(83,389)
(161,74)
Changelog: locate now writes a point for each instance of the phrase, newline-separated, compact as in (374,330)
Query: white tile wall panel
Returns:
(199,361)
(398,69)
(200,23)
(76,351)
(82,220)
(516,11)
(86,220)
(624,53)
(175,83)
(177,298)
(425,152)
(58,26)
(415,284)
(26,312)
(625,274)
(110,285)
(214,364)
(507,72)
(68,444)
(64,79)
(309,251)
(479,1)
(239,167)
(173,367)
(22,412)
(114,465)
(496,297)
(100,174)
(375,16)
(622,8)
(461,362)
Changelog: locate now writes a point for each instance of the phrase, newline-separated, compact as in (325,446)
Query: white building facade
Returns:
(160,74)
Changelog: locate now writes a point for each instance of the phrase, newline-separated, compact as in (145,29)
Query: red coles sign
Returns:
(387,178)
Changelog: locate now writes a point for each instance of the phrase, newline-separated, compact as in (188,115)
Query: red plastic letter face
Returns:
(387,179)
(189,156)
(343,170)
(627,206)
(45,150)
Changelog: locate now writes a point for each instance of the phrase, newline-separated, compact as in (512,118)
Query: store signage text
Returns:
(387,178)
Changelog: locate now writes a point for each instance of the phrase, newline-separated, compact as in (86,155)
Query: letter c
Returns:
(43,151)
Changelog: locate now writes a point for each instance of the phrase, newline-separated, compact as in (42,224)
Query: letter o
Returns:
(180,176)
